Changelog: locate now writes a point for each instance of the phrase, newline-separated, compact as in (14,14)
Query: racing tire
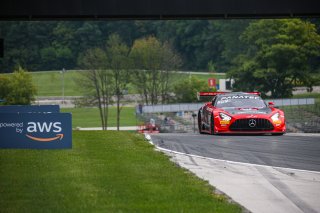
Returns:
(212,132)
(278,134)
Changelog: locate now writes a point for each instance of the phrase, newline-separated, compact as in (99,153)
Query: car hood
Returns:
(236,111)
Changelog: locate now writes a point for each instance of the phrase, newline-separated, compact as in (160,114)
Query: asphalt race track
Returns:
(288,151)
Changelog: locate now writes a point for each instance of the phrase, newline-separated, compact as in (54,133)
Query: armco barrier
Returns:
(36,130)
(293,102)
(196,106)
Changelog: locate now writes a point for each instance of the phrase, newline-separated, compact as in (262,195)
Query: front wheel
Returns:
(278,134)
(212,132)
(199,123)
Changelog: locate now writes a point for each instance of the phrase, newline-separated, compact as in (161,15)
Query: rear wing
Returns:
(208,94)
(212,94)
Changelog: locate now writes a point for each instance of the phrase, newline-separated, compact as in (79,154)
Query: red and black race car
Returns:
(239,112)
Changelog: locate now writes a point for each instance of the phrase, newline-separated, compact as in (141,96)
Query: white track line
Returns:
(148,137)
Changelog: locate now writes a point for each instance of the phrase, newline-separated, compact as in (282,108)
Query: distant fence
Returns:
(292,102)
(196,106)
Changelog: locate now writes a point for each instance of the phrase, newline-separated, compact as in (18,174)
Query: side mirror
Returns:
(271,104)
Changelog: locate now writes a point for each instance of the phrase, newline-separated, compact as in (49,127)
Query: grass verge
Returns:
(104,172)
(316,96)
(50,83)
(89,117)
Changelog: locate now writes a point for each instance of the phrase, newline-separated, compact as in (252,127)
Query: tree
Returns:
(186,90)
(18,88)
(153,62)
(118,62)
(170,61)
(97,81)
(229,32)
(48,56)
(278,56)
(4,88)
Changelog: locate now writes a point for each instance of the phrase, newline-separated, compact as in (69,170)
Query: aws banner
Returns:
(29,108)
(36,130)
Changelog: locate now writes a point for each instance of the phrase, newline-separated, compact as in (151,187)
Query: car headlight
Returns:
(224,117)
(275,117)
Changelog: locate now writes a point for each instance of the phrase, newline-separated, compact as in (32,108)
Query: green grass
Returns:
(104,172)
(89,117)
(303,113)
(50,83)
(316,96)
(179,76)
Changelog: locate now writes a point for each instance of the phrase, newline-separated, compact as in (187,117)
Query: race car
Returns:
(239,112)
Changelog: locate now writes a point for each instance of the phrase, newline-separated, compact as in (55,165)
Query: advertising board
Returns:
(36,130)
(29,108)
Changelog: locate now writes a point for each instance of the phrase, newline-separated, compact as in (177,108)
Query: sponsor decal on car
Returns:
(224,122)
(240,97)
(228,99)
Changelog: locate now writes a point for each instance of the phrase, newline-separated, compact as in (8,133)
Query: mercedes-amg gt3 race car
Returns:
(239,112)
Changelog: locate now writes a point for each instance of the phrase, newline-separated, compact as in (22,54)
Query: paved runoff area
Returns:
(261,173)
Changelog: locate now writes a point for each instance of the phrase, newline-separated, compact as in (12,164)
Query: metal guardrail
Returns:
(171,108)
(292,102)
(196,106)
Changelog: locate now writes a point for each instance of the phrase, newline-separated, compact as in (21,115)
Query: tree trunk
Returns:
(98,92)
(118,112)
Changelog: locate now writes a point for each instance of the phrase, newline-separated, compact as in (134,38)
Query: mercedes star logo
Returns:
(252,123)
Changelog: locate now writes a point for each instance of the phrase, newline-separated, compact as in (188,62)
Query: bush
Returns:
(17,88)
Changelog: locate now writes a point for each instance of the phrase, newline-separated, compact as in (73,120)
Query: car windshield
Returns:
(240,101)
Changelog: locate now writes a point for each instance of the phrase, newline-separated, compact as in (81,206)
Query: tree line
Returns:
(270,56)
(53,45)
